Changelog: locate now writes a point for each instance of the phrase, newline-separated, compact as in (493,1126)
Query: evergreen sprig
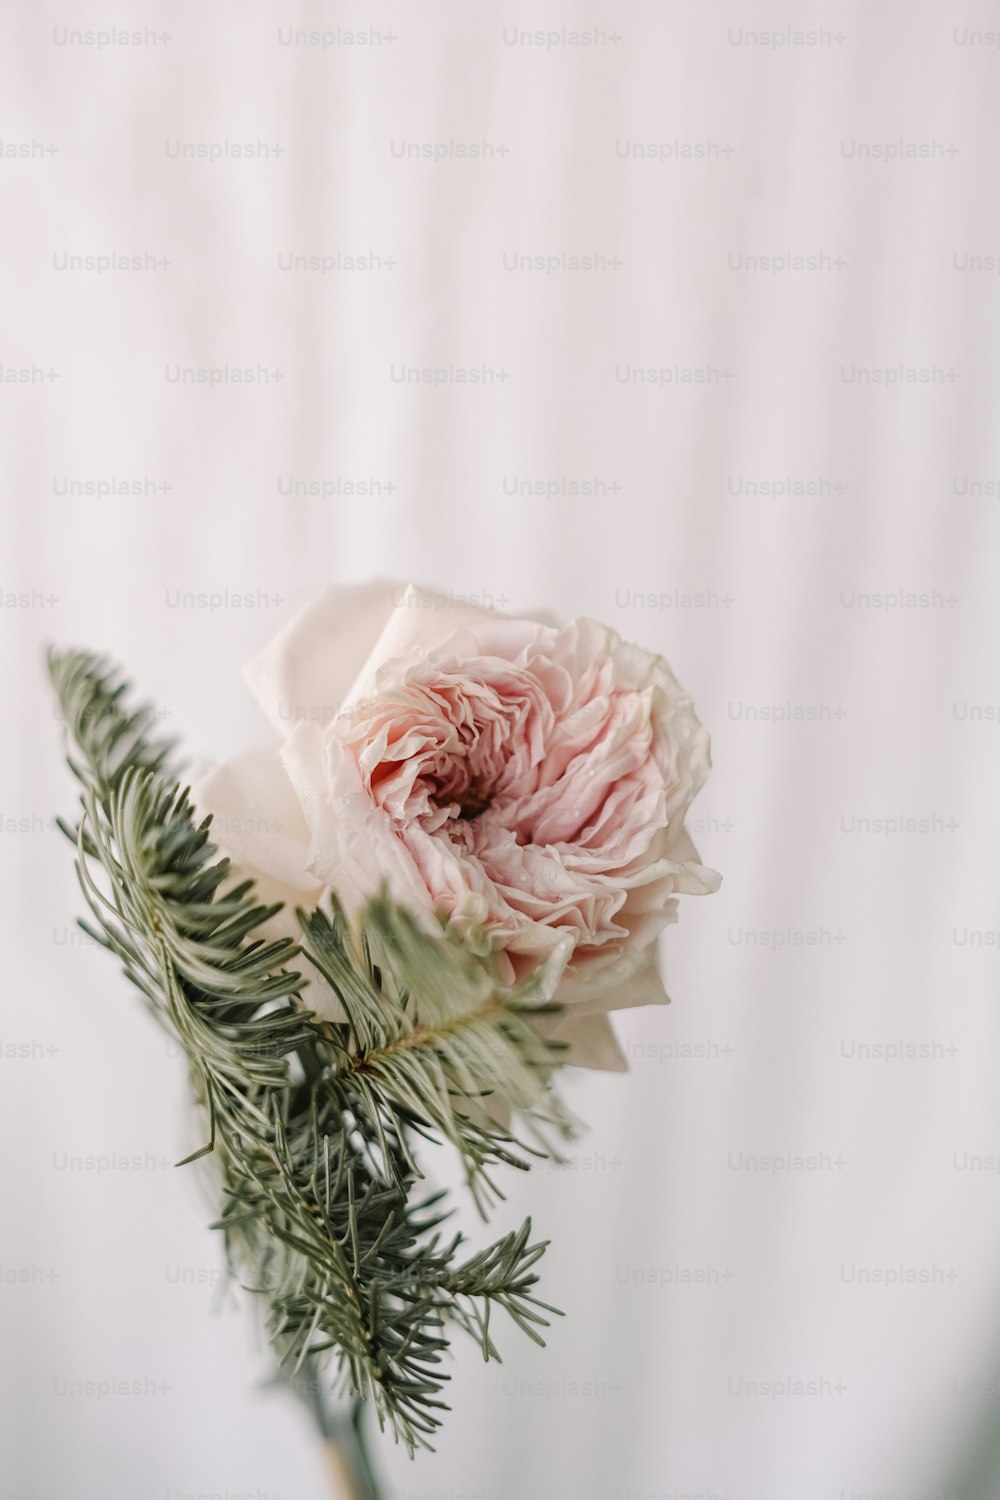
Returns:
(431,1036)
(312,1122)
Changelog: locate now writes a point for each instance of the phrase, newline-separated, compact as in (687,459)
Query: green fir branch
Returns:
(433,1036)
(312,1123)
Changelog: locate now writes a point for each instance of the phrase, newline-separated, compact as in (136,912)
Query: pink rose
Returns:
(526,782)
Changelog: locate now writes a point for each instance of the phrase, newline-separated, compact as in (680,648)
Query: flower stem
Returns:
(348,1460)
(344,1444)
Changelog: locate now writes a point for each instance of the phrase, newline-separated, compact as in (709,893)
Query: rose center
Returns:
(473,801)
(472,794)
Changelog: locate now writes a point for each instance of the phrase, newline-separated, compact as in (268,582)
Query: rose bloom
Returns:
(525,782)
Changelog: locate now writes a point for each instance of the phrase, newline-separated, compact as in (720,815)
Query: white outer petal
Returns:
(257,820)
(422,620)
(590,1042)
(303,674)
(618,984)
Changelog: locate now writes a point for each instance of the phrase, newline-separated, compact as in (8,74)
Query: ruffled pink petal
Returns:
(352,848)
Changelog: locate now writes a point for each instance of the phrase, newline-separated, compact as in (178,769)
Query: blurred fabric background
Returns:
(681,316)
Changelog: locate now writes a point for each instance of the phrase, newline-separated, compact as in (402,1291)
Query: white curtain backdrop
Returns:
(709,304)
